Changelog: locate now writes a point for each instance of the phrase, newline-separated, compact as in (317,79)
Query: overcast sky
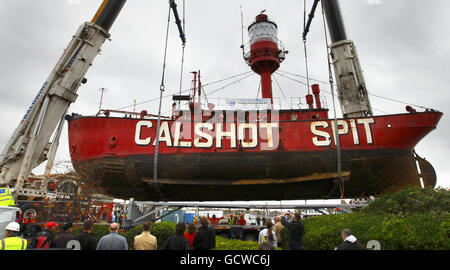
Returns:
(403,47)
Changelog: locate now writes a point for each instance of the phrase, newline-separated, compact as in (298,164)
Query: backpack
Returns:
(42,240)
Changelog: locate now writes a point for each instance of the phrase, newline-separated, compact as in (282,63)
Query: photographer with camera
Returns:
(295,229)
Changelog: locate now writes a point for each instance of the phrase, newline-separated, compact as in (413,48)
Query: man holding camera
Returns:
(295,229)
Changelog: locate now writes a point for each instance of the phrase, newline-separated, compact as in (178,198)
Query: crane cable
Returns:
(304,46)
(158,126)
(182,54)
(336,132)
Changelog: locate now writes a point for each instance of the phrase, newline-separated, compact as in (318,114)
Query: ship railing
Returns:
(222,104)
(127,114)
(300,103)
(247,104)
(246,49)
(254,104)
(232,104)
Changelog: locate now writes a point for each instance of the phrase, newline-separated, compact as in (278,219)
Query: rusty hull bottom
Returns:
(256,176)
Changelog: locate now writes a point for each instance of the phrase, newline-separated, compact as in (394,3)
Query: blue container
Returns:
(189,218)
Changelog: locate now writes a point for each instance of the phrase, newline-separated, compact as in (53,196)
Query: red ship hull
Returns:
(249,158)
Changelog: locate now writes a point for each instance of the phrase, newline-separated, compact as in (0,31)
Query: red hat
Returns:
(51,224)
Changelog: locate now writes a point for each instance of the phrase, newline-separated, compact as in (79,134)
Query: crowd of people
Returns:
(203,238)
(196,237)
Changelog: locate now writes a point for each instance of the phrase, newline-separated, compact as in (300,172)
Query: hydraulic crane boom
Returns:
(352,90)
(29,145)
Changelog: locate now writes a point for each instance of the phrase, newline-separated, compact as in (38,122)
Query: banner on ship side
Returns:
(248,104)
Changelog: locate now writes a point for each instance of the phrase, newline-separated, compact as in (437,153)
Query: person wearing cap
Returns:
(66,236)
(12,241)
(45,238)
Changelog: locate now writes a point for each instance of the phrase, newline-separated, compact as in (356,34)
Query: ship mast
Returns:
(352,91)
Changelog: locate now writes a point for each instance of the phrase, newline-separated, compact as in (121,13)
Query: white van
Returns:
(7,215)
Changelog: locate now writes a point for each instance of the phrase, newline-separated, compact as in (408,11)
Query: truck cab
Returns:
(7,215)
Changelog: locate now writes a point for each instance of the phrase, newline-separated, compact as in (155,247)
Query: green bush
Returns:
(284,239)
(411,219)
(229,244)
(427,231)
(412,200)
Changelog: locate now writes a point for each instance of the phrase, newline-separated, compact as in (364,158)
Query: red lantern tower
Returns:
(266,52)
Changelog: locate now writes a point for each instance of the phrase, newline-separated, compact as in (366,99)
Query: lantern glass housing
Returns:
(263,31)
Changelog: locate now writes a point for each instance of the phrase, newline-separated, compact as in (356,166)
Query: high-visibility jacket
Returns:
(231,221)
(6,198)
(13,243)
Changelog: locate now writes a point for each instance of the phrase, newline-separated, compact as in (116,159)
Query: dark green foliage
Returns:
(412,200)
(228,244)
(284,238)
(412,219)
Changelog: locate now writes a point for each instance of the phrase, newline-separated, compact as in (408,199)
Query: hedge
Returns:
(229,244)
(394,232)
(411,219)
(412,200)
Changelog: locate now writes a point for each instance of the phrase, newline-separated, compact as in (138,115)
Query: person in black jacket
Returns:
(295,229)
(350,241)
(205,238)
(177,241)
(61,240)
(87,241)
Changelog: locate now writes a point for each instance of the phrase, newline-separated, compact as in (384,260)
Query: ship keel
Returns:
(258,176)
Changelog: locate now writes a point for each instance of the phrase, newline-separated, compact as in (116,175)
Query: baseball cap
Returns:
(51,224)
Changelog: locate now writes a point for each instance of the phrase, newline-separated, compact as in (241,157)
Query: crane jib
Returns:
(34,101)
(27,149)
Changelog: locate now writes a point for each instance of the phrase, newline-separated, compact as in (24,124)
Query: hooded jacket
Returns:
(350,243)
